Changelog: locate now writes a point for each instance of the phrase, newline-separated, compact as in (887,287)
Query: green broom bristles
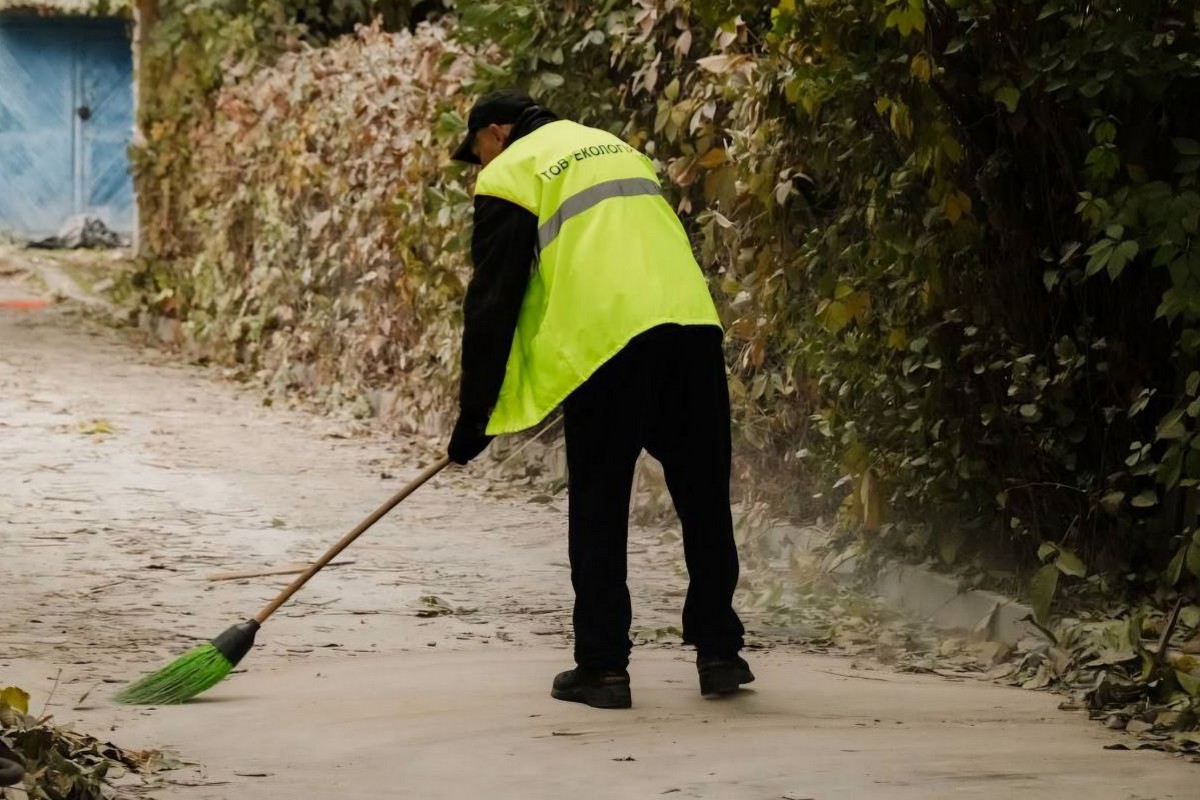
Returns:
(198,671)
(181,680)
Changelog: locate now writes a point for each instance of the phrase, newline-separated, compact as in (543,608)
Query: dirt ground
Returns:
(128,479)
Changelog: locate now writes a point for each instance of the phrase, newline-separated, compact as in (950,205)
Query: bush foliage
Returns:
(305,227)
(952,239)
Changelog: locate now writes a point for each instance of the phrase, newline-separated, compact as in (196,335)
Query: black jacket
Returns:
(503,250)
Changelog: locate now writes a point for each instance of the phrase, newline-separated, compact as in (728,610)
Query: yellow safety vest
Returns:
(613,261)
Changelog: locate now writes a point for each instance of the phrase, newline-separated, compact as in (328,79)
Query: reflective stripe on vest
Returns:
(613,262)
(579,203)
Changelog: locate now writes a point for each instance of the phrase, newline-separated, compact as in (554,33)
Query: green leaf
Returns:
(1171,467)
(955,205)
(1189,340)
(1101,252)
(451,124)
(1112,501)
(1172,426)
(1188,682)
(1175,568)
(1041,592)
(833,314)
(14,698)
(1187,147)
(1193,383)
(1070,564)
(1147,499)
(1122,254)
(908,20)
(1009,97)
(1139,404)
(1046,550)
(1165,255)
(949,545)
(1193,560)
(97,427)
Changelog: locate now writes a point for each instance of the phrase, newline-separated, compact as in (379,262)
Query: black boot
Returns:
(597,688)
(722,674)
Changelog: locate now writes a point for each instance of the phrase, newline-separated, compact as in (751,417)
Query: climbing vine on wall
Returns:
(299,218)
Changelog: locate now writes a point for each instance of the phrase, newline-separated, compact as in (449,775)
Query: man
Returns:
(585,293)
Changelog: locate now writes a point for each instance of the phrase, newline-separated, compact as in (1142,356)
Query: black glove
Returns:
(468,440)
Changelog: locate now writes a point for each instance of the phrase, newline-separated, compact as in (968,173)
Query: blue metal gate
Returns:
(66,119)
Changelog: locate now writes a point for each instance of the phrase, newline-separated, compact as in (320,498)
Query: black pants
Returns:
(665,392)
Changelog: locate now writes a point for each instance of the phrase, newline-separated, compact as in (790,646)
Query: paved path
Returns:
(107,540)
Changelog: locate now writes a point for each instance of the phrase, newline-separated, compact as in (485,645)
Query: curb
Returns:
(920,592)
(936,598)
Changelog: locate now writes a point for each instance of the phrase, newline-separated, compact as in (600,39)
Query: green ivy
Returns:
(953,241)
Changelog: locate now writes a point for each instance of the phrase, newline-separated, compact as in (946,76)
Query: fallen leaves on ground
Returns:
(1107,661)
(61,764)
(96,427)
(433,606)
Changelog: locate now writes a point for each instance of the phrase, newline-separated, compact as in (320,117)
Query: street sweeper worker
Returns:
(586,294)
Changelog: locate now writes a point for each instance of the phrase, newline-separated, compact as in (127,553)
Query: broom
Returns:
(209,664)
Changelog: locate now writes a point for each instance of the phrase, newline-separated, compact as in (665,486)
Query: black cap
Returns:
(497,108)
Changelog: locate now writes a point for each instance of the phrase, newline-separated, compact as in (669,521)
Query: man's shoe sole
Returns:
(596,696)
(724,680)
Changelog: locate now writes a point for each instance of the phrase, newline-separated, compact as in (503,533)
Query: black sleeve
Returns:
(502,248)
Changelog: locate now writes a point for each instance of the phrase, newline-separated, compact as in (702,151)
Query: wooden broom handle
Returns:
(346,540)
